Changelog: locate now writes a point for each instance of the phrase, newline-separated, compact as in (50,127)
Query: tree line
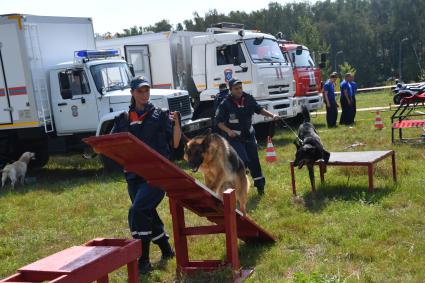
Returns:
(379,38)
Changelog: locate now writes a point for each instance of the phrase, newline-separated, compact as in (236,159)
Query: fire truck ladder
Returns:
(41,92)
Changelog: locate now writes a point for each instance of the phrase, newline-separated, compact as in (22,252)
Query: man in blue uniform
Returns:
(346,101)
(330,101)
(223,93)
(154,127)
(234,118)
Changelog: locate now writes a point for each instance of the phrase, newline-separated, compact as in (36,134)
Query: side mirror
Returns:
(131,67)
(322,65)
(299,50)
(66,93)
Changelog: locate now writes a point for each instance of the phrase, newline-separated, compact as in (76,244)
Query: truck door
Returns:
(230,62)
(74,102)
(5,113)
(138,56)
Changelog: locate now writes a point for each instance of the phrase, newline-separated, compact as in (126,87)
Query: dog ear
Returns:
(206,141)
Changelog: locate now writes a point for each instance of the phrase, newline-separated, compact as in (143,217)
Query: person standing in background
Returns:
(346,101)
(330,101)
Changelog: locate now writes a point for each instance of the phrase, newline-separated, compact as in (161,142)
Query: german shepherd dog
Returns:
(309,147)
(212,155)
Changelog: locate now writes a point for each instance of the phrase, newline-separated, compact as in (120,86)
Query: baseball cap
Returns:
(138,82)
(233,82)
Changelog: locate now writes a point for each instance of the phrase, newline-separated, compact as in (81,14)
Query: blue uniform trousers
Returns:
(248,151)
(143,219)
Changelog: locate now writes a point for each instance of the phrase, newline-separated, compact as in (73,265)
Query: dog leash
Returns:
(289,127)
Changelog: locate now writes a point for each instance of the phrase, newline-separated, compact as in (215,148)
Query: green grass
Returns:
(341,234)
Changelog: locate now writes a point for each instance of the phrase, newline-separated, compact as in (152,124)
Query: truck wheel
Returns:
(109,165)
(41,157)
(263,130)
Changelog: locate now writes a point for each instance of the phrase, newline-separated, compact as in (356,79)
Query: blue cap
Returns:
(233,82)
(138,82)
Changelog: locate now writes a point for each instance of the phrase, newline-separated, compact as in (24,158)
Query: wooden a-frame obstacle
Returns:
(186,192)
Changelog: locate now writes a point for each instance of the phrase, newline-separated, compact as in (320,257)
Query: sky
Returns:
(115,15)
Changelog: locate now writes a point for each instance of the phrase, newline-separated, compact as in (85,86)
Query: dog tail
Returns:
(306,114)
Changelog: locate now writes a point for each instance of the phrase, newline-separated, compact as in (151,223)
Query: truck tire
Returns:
(263,130)
(41,156)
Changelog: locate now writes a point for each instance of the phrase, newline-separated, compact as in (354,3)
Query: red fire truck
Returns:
(306,75)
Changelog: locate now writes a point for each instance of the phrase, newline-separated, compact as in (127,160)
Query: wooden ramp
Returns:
(184,192)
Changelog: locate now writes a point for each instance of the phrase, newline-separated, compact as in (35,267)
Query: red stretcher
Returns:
(185,192)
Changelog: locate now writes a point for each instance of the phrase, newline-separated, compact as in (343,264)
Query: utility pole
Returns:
(335,60)
(400,58)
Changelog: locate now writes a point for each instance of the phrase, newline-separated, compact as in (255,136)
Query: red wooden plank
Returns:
(203,230)
(229,199)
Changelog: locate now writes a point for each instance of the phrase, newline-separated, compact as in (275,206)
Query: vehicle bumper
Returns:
(313,102)
(285,108)
(190,127)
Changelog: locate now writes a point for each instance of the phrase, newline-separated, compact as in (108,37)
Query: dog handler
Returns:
(234,118)
(154,127)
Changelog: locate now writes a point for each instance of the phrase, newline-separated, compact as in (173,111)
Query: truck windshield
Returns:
(303,60)
(111,76)
(264,50)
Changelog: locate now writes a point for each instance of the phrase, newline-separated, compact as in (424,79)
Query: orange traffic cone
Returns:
(378,121)
(270,152)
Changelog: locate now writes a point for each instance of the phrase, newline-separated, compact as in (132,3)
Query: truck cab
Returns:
(306,74)
(255,59)
(88,93)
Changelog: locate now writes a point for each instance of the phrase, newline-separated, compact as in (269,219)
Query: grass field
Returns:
(341,234)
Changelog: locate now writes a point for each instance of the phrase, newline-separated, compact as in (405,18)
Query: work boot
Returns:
(144,264)
(166,249)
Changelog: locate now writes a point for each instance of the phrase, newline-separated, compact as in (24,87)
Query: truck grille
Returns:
(278,89)
(181,104)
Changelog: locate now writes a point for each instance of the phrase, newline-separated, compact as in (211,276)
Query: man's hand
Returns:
(175,117)
(275,117)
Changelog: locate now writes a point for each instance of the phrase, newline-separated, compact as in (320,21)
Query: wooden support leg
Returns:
(133,272)
(180,240)
(229,203)
(370,176)
(294,189)
(104,279)
(322,171)
(394,167)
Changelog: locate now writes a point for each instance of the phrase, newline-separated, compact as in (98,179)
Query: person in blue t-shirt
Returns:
(330,100)
(346,101)
(354,90)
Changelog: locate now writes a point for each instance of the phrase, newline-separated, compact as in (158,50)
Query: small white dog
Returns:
(17,170)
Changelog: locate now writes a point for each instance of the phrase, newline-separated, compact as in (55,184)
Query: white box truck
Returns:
(200,61)
(55,88)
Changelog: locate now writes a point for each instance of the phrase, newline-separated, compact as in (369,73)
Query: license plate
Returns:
(195,127)
(282,113)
